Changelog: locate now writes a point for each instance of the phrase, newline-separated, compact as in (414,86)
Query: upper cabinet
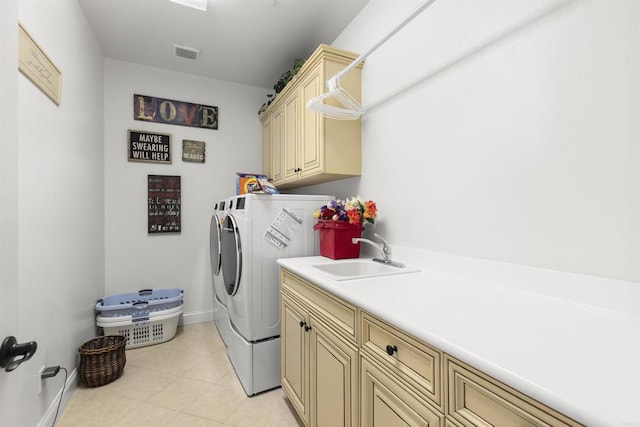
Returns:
(301,147)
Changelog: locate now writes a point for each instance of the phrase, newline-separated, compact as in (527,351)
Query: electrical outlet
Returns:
(40,380)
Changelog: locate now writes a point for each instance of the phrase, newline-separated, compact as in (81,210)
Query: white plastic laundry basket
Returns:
(140,303)
(156,328)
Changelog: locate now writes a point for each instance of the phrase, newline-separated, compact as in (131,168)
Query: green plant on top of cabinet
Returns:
(301,147)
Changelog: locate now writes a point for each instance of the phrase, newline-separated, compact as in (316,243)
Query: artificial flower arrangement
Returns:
(354,210)
(340,222)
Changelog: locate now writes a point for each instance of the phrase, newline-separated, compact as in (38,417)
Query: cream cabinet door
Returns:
(294,345)
(384,402)
(291,136)
(277,120)
(333,378)
(475,399)
(312,142)
(267,147)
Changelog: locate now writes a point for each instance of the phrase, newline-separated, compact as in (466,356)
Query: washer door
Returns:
(215,253)
(232,258)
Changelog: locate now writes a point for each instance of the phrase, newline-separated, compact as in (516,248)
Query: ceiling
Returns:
(251,42)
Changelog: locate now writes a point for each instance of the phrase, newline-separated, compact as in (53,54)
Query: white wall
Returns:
(508,130)
(60,201)
(9,383)
(135,259)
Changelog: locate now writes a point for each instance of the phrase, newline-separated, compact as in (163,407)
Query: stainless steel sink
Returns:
(359,269)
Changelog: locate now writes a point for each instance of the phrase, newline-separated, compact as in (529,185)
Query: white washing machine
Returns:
(220,296)
(258,229)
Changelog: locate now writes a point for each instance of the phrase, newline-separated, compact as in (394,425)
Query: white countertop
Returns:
(569,341)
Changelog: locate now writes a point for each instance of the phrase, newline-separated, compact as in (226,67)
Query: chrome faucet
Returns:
(383,247)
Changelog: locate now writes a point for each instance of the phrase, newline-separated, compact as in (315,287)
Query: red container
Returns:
(335,239)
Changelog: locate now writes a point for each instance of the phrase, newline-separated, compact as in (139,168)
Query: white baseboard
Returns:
(69,387)
(196,317)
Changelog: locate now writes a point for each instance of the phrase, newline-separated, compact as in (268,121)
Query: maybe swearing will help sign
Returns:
(149,147)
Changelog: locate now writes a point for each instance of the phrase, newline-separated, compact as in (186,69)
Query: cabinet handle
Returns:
(391,349)
(307,328)
(296,170)
(302,323)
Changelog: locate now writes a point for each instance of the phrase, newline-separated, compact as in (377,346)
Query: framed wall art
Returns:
(163,204)
(150,147)
(36,65)
(169,111)
(193,151)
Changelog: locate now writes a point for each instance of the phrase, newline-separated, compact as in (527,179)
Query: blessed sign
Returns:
(169,111)
(149,147)
(36,65)
(163,204)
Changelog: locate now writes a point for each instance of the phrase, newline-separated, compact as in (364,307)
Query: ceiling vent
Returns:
(186,52)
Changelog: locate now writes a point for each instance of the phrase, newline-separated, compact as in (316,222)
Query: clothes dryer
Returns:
(220,296)
(259,229)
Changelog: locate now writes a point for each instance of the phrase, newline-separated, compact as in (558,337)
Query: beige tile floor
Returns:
(187,381)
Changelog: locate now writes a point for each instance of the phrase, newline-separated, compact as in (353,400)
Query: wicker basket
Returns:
(102,360)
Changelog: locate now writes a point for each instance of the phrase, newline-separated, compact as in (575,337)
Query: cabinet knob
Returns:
(302,323)
(391,349)
(307,328)
(296,170)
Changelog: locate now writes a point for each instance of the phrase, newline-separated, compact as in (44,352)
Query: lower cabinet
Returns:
(342,366)
(294,356)
(475,399)
(318,367)
(417,365)
(333,378)
(386,402)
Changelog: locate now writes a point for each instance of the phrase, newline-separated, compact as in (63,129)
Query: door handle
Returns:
(13,354)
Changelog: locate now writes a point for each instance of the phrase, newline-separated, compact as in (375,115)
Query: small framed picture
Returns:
(193,151)
(149,147)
